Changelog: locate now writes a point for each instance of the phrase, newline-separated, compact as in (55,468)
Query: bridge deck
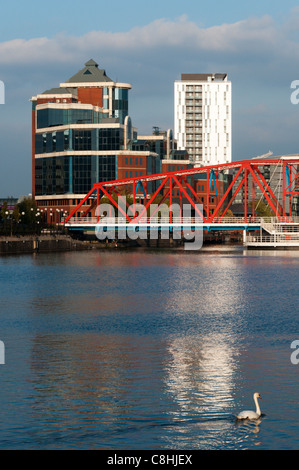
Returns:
(191,223)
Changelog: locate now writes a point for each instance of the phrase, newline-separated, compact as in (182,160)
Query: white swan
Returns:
(251,414)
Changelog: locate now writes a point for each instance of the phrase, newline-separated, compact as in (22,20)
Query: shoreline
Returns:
(29,244)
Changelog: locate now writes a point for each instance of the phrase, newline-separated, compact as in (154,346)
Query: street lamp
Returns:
(7,214)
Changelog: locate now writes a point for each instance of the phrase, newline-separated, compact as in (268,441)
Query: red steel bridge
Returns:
(244,178)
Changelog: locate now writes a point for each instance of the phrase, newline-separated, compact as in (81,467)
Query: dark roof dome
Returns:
(90,73)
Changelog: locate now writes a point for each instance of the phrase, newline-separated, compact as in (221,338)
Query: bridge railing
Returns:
(162,220)
(250,220)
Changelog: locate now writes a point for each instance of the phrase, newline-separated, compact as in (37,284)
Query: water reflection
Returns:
(200,379)
(97,386)
(200,375)
(147,350)
(272,253)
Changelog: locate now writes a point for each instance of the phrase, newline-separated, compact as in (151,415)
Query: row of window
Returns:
(50,117)
(175,167)
(129,174)
(138,161)
(73,174)
(63,202)
(74,139)
(77,174)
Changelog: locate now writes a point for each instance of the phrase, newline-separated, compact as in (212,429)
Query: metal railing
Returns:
(277,238)
(163,220)
(271,224)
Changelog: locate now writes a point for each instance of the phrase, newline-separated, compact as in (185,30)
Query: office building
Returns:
(202,117)
(81,135)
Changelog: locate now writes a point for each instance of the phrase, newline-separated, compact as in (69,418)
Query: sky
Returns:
(149,45)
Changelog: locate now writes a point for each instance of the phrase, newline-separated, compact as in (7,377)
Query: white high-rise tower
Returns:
(202,117)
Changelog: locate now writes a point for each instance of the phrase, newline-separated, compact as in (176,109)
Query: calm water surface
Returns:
(148,350)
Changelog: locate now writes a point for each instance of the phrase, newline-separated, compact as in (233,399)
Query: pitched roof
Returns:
(58,91)
(90,73)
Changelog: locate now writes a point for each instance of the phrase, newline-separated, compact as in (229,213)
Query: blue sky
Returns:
(149,44)
(35,18)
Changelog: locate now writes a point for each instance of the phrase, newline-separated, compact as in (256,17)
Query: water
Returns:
(148,350)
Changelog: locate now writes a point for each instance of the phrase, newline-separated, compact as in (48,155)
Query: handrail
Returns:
(163,220)
(277,238)
(271,224)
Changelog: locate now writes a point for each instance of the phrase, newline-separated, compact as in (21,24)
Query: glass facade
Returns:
(120,103)
(50,117)
(82,140)
(55,116)
(52,175)
(77,139)
(111,139)
(73,174)
(52,142)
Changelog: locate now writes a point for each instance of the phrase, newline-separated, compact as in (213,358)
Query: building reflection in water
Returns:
(97,387)
(156,361)
(201,374)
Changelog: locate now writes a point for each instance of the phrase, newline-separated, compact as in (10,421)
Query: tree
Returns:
(228,213)
(27,210)
(261,209)
(4,211)
(16,214)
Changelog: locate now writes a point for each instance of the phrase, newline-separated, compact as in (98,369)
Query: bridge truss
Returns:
(245,177)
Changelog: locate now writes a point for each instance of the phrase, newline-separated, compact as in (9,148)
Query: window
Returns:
(111,139)
(50,117)
(82,140)
(52,175)
(54,142)
(66,135)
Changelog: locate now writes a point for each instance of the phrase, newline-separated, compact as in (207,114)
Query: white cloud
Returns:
(259,34)
(256,47)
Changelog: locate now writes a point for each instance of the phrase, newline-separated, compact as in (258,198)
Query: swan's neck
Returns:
(258,410)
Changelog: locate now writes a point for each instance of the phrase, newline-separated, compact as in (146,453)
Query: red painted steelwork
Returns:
(245,170)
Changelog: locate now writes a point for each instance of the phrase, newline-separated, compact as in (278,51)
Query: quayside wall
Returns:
(40,244)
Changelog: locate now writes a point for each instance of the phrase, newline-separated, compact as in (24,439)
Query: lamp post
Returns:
(7,213)
(37,222)
(51,220)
